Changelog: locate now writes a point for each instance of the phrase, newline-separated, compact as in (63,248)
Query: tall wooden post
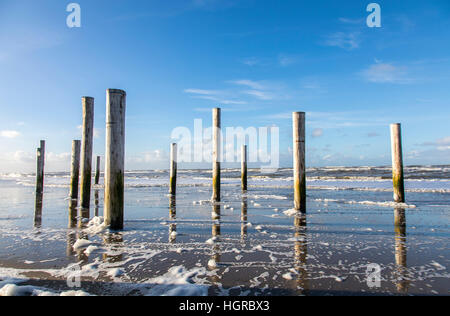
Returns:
(115,158)
(299,161)
(216,154)
(397,163)
(244,170)
(97,171)
(173,169)
(75,173)
(86,153)
(40,159)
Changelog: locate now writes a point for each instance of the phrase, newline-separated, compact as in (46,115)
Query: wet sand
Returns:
(247,245)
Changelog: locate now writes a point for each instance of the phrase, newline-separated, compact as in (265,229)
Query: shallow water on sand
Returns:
(247,245)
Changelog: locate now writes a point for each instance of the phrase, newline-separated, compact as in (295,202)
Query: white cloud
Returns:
(443,141)
(9,134)
(201,91)
(259,94)
(21,157)
(343,40)
(214,95)
(386,73)
(249,83)
(351,21)
(285,60)
(318,132)
(145,160)
(252,61)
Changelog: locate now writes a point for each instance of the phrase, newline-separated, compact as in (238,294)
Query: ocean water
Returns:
(250,244)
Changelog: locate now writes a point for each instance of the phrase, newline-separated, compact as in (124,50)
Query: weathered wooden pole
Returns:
(75,173)
(86,154)
(97,171)
(173,169)
(115,158)
(397,163)
(299,161)
(40,159)
(216,154)
(244,170)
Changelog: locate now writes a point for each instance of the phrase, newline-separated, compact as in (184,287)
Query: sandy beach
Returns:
(249,244)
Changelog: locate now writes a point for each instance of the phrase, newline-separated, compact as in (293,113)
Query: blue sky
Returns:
(258,60)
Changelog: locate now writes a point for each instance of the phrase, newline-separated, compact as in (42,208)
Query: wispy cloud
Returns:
(351,21)
(348,41)
(440,144)
(317,132)
(287,60)
(249,83)
(254,61)
(9,134)
(386,73)
(261,95)
(330,120)
(214,95)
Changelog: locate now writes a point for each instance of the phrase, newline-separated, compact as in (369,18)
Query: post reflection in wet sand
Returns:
(38,211)
(244,218)
(401,250)
(83,219)
(216,253)
(301,253)
(71,239)
(73,213)
(96,203)
(113,242)
(173,217)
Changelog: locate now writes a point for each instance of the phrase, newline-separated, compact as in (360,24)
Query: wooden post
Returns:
(115,158)
(40,162)
(40,159)
(173,169)
(299,161)
(86,153)
(75,173)
(216,154)
(244,168)
(97,171)
(397,163)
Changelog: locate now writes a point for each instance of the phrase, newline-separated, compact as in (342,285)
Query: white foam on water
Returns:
(373,203)
(81,244)
(291,212)
(178,281)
